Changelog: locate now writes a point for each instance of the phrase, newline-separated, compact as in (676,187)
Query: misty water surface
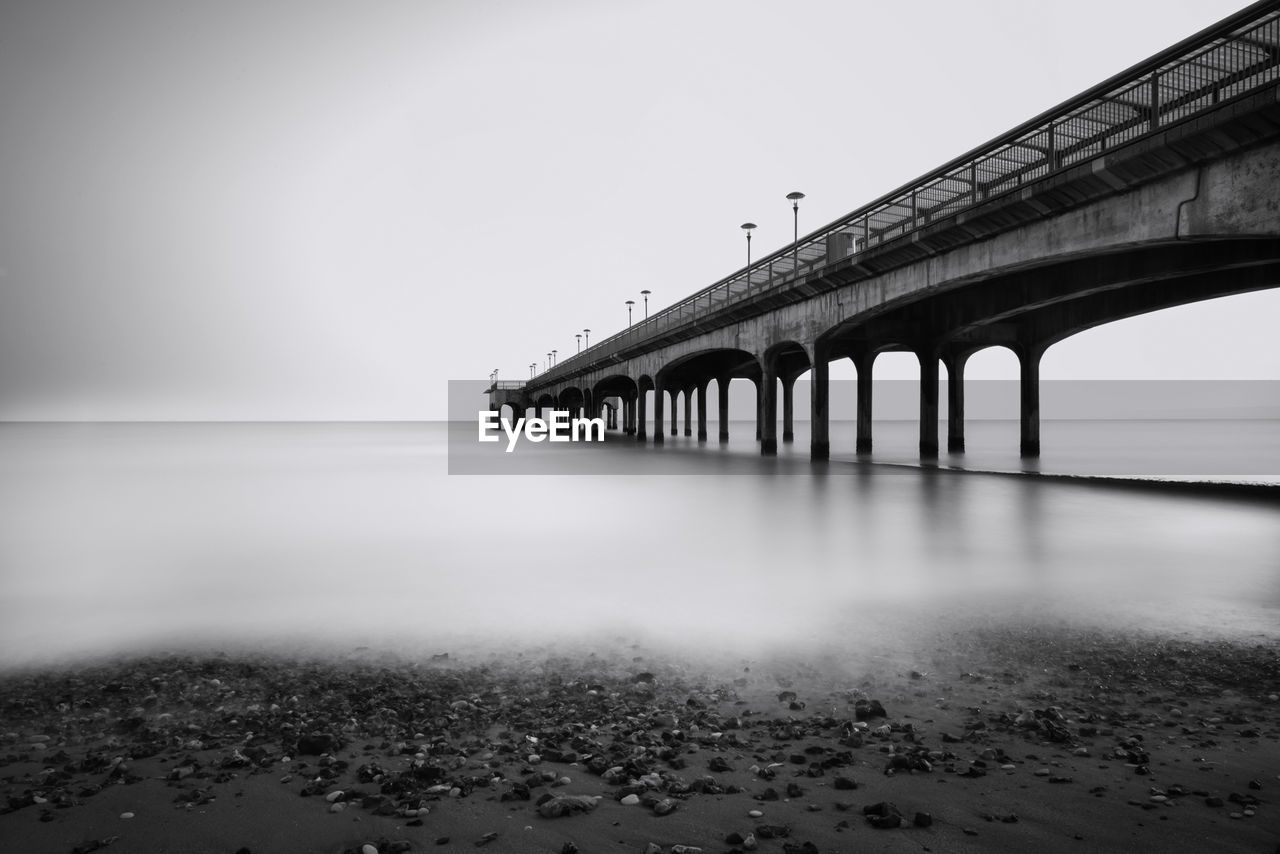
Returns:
(128,536)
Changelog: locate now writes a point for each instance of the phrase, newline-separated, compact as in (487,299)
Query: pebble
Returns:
(368,849)
(1042,772)
(126,815)
(755,813)
(338,807)
(334,796)
(630,800)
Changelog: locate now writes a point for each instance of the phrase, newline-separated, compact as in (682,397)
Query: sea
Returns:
(144,537)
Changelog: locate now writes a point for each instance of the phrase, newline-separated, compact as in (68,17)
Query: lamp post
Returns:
(553,357)
(646,293)
(587,332)
(579,337)
(548,361)
(747,226)
(795,250)
(630,303)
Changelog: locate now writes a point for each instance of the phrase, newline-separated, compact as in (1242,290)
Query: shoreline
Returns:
(1001,738)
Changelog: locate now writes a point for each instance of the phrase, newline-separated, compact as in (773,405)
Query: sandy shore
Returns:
(1018,739)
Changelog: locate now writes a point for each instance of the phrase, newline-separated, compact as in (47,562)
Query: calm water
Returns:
(126,536)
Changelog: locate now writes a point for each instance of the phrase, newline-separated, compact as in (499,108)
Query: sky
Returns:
(328,210)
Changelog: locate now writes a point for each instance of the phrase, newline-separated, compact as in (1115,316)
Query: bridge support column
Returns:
(688,412)
(864,363)
(675,411)
(768,411)
(722,392)
(659,399)
(759,408)
(955,401)
(788,386)
(629,416)
(819,409)
(702,411)
(928,402)
(537,411)
(1029,363)
(642,417)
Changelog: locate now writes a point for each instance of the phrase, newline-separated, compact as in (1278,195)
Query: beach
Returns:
(979,738)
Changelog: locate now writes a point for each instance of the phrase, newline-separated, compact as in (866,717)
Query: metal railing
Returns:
(1232,58)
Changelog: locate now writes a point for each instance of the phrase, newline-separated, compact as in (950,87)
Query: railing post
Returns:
(1053,148)
(1155,100)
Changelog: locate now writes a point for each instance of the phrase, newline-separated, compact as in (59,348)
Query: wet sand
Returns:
(1020,738)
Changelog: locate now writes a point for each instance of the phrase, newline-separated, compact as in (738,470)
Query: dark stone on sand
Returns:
(568,848)
(923,819)
(801,848)
(794,790)
(864,710)
(769,794)
(664,807)
(844,783)
(719,765)
(773,831)
(734,838)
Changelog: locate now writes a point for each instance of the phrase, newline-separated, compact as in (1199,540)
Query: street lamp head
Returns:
(646,292)
(588,331)
(747,226)
(795,197)
(631,302)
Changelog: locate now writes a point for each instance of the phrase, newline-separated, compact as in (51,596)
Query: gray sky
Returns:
(327,210)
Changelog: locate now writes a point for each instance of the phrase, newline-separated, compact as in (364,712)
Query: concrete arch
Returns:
(782,362)
(571,399)
(626,390)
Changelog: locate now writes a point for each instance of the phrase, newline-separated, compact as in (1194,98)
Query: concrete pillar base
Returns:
(863,446)
(820,451)
(788,436)
(955,445)
(702,435)
(768,447)
(929,450)
(724,436)
(1030,449)
(657,438)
